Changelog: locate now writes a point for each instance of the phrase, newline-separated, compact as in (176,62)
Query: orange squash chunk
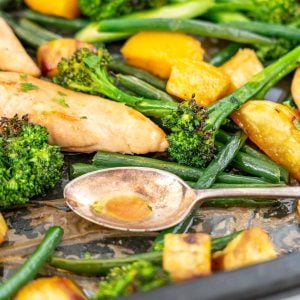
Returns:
(242,67)
(156,52)
(68,9)
(199,79)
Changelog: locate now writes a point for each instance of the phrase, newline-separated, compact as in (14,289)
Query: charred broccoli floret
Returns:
(275,11)
(104,9)
(28,164)
(140,276)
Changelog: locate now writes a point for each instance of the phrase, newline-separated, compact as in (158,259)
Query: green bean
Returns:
(142,88)
(118,65)
(33,264)
(223,55)
(196,27)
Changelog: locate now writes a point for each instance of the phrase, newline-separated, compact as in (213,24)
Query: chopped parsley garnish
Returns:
(83,117)
(61,101)
(27,86)
(24,76)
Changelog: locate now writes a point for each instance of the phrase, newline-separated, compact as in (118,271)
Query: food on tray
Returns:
(252,246)
(173,99)
(49,54)
(3,228)
(242,67)
(59,288)
(187,256)
(63,8)
(200,80)
(13,56)
(79,122)
(157,52)
(29,165)
(274,128)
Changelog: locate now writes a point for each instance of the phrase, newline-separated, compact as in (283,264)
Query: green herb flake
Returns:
(83,117)
(61,101)
(61,94)
(27,86)
(296,123)
(23,77)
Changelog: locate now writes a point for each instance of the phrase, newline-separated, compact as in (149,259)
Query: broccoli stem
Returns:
(195,27)
(224,54)
(184,10)
(94,267)
(270,75)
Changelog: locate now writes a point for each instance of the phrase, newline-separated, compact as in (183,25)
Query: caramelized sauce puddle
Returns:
(129,208)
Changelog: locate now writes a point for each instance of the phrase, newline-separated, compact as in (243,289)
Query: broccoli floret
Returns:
(87,72)
(28,164)
(104,9)
(140,276)
(275,11)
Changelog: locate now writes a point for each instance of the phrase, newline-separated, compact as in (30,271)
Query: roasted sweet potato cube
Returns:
(50,53)
(156,52)
(242,67)
(201,80)
(3,228)
(187,255)
(249,247)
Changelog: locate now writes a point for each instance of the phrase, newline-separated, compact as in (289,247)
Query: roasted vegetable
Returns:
(50,53)
(200,80)
(157,52)
(64,8)
(249,247)
(33,263)
(274,128)
(59,288)
(103,9)
(13,56)
(3,228)
(140,276)
(29,165)
(187,256)
(191,128)
(242,67)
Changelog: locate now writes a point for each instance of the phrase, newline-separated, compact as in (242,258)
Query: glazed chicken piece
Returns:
(13,56)
(79,122)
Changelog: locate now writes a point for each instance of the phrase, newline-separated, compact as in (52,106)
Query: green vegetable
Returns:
(223,55)
(96,267)
(139,276)
(222,160)
(55,22)
(240,202)
(25,35)
(119,66)
(196,27)
(274,11)
(191,129)
(38,30)
(104,9)
(33,264)
(28,86)
(28,165)
(142,88)
(184,10)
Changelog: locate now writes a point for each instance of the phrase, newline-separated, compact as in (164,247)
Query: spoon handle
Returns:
(279,192)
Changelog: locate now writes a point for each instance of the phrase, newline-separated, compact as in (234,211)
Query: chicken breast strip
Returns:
(79,122)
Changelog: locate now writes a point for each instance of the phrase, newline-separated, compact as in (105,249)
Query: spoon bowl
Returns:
(168,198)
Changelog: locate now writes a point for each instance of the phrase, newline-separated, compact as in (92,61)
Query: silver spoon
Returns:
(168,197)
